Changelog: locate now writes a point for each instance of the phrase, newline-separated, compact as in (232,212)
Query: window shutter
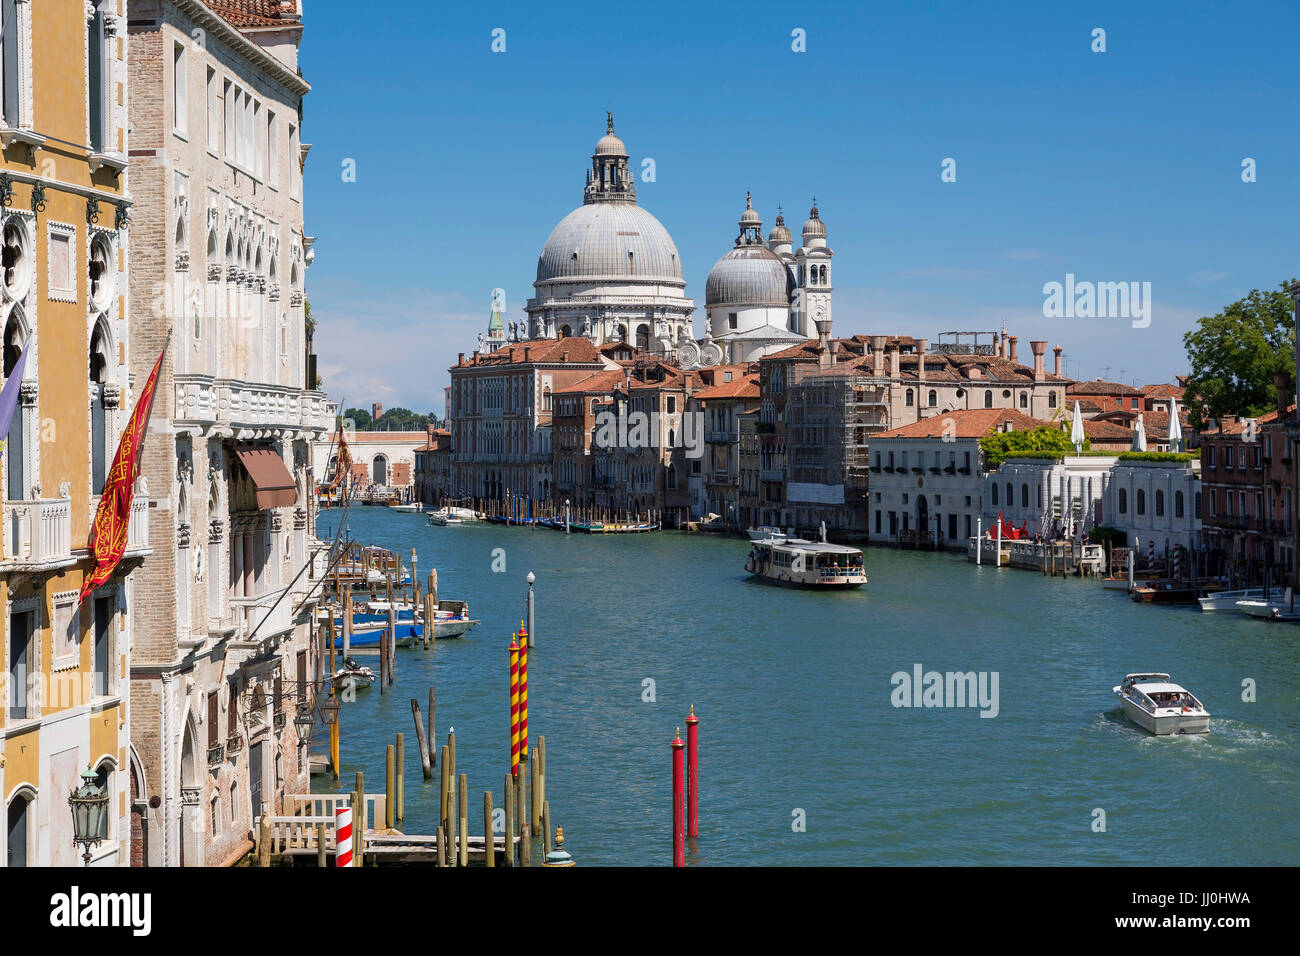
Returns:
(96,71)
(9,24)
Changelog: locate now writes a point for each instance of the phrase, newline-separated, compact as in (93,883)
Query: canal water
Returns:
(804,759)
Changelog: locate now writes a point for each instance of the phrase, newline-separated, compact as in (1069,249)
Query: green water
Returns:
(793,691)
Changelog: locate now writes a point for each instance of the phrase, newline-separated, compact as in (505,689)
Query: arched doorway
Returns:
(379,470)
(922,515)
(191,820)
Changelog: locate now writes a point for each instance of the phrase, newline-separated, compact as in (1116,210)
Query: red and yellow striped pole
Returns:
(514,706)
(523,691)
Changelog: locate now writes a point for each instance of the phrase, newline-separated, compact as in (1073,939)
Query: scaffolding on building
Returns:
(830,416)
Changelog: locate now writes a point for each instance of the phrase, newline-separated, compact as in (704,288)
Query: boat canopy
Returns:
(1145,675)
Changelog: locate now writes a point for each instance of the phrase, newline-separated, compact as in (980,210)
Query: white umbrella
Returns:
(1175,427)
(1076,430)
(1140,435)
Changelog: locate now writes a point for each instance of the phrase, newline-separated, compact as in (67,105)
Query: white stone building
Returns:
(926,476)
(1047,494)
(1155,501)
(224,652)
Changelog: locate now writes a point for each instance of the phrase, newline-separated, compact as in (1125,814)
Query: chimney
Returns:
(997,345)
(922,346)
(460,358)
(893,361)
(474,360)
(564,355)
(1057,368)
(877,355)
(528,353)
(1281,384)
(1040,349)
(1011,342)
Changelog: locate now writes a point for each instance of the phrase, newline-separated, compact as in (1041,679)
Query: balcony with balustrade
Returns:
(37,535)
(249,409)
(264,617)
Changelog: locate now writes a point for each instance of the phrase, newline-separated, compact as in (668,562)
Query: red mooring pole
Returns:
(514,706)
(692,774)
(679,835)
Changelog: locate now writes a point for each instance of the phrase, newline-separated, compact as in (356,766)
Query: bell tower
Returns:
(812,271)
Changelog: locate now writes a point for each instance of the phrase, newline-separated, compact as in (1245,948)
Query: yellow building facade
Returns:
(65,208)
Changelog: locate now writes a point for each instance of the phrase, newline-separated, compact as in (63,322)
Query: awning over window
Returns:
(275,486)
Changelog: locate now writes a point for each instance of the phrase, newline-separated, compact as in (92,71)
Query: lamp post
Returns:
(89,804)
(304,722)
(532,634)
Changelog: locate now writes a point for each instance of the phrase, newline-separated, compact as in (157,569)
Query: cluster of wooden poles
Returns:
(525,511)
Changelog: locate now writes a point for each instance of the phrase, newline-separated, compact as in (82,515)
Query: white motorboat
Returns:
(453,516)
(414,507)
(766,533)
(1227,600)
(1281,608)
(1161,707)
(795,562)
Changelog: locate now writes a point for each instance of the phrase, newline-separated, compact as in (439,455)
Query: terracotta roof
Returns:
(1096,429)
(574,350)
(602,383)
(257,13)
(380,438)
(1163,391)
(741,387)
(1235,426)
(1099,387)
(964,423)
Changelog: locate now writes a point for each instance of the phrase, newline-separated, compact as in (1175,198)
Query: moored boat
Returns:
(1227,600)
(1164,591)
(1161,707)
(1280,609)
(765,533)
(794,562)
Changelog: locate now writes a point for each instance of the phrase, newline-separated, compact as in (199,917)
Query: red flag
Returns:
(112,520)
(344,462)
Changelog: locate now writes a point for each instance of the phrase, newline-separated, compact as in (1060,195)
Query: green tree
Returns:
(360,417)
(1045,438)
(1234,354)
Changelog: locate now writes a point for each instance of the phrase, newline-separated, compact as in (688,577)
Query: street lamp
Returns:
(89,804)
(304,722)
(329,709)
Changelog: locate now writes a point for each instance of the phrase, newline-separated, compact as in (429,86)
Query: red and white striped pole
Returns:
(692,774)
(679,835)
(343,836)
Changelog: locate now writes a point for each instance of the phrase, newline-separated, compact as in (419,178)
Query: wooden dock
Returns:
(296,838)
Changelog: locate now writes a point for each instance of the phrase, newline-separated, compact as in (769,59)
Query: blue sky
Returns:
(1115,166)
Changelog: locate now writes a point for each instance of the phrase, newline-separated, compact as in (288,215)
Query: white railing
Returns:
(137,530)
(38,532)
(251,612)
(243,403)
(317,411)
(316,805)
(196,398)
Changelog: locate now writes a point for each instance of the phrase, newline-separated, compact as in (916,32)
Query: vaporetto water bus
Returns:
(795,562)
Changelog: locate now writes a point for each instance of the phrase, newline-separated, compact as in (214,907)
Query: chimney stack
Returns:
(893,361)
(528,353)
(1281,384)
(474,358)
(1057,369)
(1011,342)
(460,358)
(1040,349)
(877,355)
(997,345)
(922,346)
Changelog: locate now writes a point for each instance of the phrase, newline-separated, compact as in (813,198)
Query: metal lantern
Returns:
(329,709)
(304,722)
(89,804)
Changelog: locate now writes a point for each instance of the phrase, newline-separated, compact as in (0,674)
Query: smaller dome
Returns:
(750,275)
(610,145)
(779,234)
(814,226)
(749,217)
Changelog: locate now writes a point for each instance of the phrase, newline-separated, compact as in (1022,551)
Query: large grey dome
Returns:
(749,275)
(609,240)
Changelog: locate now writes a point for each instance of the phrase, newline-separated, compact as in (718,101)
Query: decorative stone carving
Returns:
(112,396)
(299,519)
(214,272)
(216,531)
(277,521)
(182,262)
(273,292)
(183,535)
(27,392)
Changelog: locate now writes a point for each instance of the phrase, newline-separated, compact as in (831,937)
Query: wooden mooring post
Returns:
(390,782)
(489,841)
(463,826)
(509,805)
(400,751)
(426,765)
